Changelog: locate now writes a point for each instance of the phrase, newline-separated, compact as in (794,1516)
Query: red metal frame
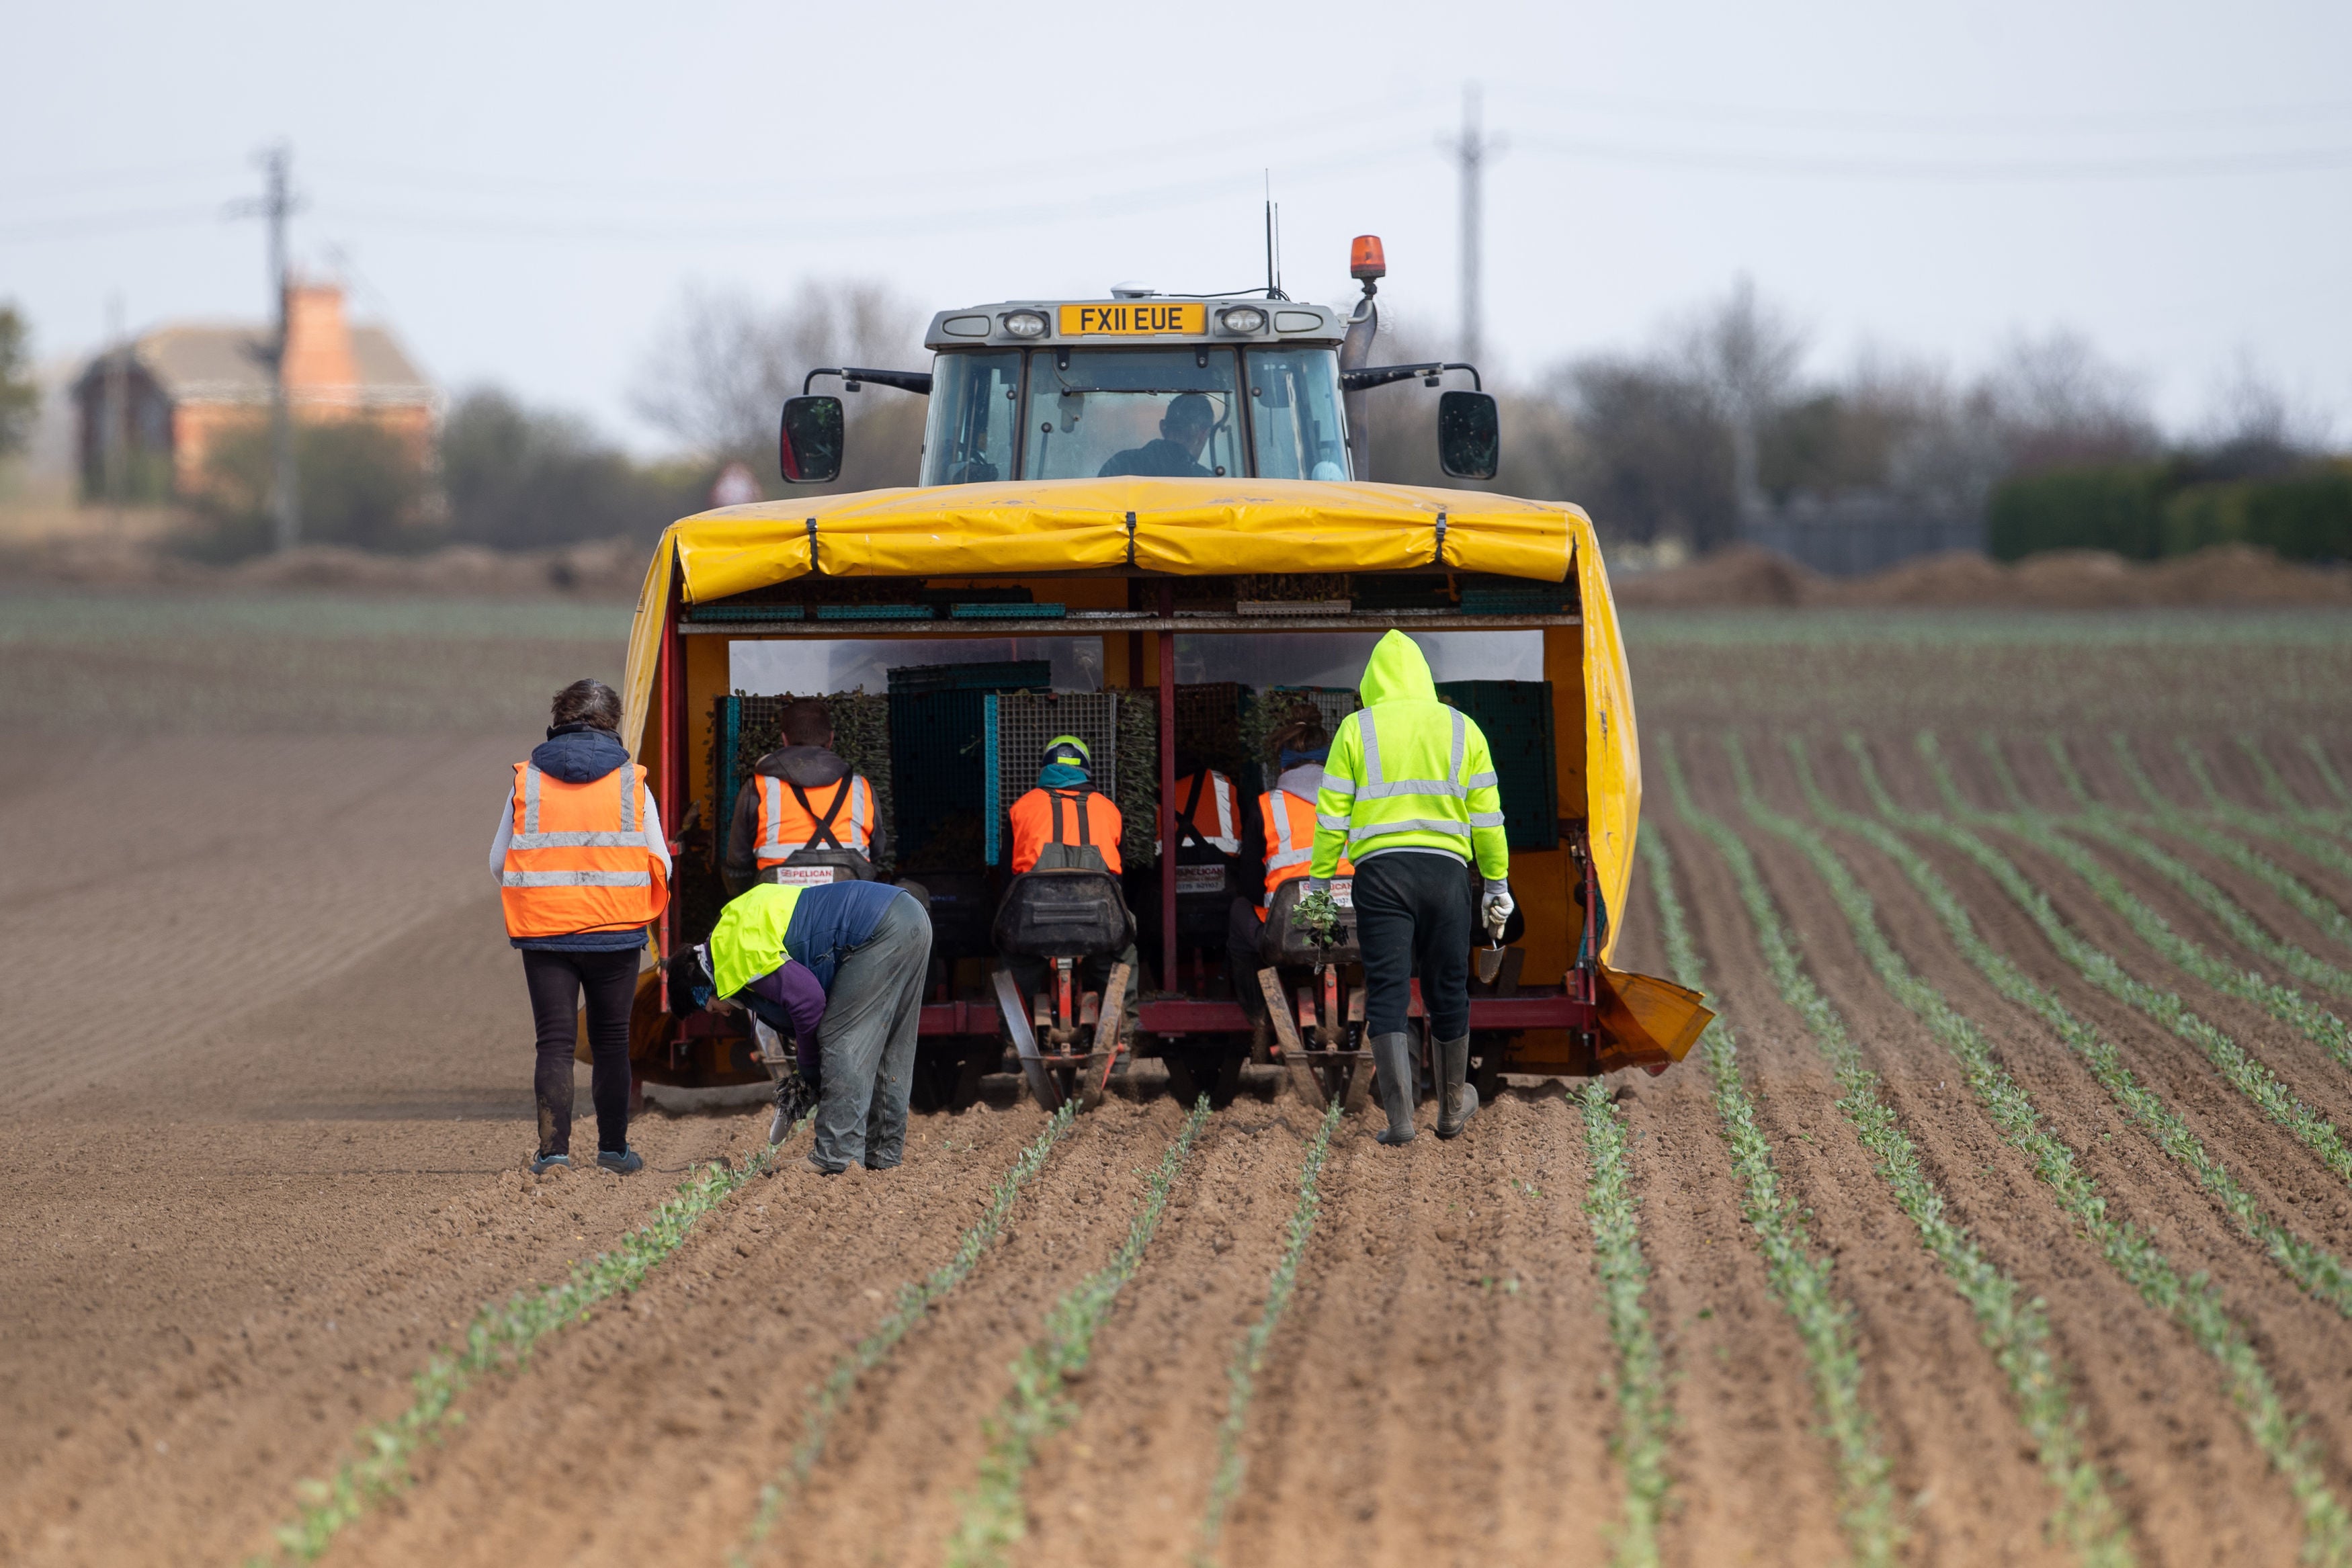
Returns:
(1529,1010)
(1164,647)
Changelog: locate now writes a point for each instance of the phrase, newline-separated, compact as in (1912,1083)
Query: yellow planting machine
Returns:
(1060,568)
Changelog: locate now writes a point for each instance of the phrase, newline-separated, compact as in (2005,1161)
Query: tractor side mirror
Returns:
(808,443)
(1469,434)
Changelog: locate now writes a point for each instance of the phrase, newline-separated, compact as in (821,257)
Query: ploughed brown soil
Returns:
(2235,575)
(270,1061)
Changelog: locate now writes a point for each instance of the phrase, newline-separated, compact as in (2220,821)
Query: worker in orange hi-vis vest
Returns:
(583,870)
(1288,813)
(1064,812)
(804,808)
(1064,824)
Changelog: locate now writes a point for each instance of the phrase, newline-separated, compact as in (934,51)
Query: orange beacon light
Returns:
(1366,260)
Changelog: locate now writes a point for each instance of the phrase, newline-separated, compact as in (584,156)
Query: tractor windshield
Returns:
(968,438)
(1294,406)
(1159,412)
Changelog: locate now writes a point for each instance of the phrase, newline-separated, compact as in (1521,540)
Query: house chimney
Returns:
(319,358)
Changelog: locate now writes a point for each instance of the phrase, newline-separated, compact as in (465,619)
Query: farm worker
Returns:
(1065,823)
(583,869)
(1287,813)
(1409,792)
(1208,809)
(1183,431)
(867,947)
(1063,813)
(801,797)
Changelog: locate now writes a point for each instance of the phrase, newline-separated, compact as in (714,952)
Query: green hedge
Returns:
(2142,511)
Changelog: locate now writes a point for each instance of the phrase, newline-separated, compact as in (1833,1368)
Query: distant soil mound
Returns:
(1736,574)
(605,568)
(2239,576)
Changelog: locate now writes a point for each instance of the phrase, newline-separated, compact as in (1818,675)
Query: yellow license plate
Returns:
(1136,319)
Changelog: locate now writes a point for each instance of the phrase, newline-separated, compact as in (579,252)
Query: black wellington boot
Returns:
(1392,1055)
(1457,1100)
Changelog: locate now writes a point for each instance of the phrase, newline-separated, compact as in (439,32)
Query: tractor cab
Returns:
(1142,385)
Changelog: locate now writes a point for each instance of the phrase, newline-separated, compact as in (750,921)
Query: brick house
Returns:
(184,387)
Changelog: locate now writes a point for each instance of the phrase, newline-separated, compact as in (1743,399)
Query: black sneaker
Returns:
(546,1163)
(629,1162)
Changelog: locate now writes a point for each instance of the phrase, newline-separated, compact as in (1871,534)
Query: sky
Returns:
(524,192)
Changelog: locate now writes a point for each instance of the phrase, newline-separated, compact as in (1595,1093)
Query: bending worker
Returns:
(583,869)
(1286,811)
(1409,792)
(865,946)
(801,801)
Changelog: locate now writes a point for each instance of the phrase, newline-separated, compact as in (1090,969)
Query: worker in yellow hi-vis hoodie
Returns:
(1408,795)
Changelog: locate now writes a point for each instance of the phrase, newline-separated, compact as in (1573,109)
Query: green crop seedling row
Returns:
(2320,911)
(2282,1002)
(914,1302)
(2324,850)
(1249,1355)
(2195,1304)
(1037,1407)
(500,1337)
(2312,1267)
(2110,827)
(2282,798)
(2318,755)
(1644,1412)
(1824,1323)
(2014,1326)
(2237,1066)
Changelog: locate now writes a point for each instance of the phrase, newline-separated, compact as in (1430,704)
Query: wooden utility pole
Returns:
(1471,152)
(285,495)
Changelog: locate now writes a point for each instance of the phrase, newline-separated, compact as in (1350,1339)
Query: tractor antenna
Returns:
(1273,243)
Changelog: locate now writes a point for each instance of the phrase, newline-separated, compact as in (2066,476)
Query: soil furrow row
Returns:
(1825,1318)
(914,1299)
(995,1510)
(2013,1326)
(674,1410)
(2195,1304)
(2241,1069)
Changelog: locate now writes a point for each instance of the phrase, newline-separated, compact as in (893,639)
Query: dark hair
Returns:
(1301,729)
(808,722)
(1192,408)
(588,702)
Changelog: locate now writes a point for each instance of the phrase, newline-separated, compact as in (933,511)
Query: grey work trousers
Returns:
(867,1041)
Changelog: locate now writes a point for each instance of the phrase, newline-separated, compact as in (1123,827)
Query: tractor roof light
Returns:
(1025,324)
(1366,261)
(1242,320)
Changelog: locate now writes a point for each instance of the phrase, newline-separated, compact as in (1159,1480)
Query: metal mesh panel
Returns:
(1025,721)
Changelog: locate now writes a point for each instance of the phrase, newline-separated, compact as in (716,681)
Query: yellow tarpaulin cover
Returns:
(1189,527)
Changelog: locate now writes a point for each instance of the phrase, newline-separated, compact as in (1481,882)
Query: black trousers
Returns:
(1414,915)
(1243,930)
(556,982)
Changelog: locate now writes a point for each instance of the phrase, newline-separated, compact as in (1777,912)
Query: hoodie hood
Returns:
(806,765)
(579,756)
(1397,672)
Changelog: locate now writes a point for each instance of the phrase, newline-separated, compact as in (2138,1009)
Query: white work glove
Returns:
(1497,906)
(1318,885)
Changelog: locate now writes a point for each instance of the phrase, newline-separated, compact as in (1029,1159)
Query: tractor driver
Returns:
(1184,431)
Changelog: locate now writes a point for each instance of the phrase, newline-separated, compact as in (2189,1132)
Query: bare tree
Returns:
(725,362)
(2255,426)
(1747,355)
(2061,403)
